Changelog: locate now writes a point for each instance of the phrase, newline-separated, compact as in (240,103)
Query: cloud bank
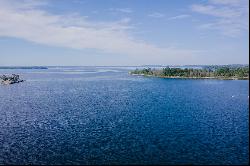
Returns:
(27,21)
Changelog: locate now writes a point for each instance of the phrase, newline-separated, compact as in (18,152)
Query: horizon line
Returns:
(118,65)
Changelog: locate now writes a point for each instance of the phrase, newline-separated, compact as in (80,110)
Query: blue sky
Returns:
(123,32)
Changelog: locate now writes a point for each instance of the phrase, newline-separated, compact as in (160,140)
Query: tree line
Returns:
(223,72)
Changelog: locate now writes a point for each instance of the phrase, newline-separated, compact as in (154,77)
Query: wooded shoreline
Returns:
(221,73)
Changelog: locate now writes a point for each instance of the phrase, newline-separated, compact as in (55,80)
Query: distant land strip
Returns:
(23,67)
(208,72)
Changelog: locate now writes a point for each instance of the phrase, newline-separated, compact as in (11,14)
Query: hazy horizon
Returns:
(123,33)
(116,65)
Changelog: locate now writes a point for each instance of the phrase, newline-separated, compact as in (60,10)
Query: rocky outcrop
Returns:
(10,79)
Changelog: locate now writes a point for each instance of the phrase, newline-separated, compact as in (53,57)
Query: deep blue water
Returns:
(89,115)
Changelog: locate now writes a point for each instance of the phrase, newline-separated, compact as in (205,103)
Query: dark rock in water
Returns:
(10,79)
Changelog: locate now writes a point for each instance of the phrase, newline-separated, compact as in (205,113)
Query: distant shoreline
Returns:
(209,72)
(23,67)
(140,66)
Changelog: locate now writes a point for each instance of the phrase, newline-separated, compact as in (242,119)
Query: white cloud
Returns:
(79,1)
(179,17)
(229,2)
(156,15)
(23,4)
(223,12)
(122,10)
(74,31)
(231,16)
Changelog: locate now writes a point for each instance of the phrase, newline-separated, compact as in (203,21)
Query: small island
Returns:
(205,72)
(10,79)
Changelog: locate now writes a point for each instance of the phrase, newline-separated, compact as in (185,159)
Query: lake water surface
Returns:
(103,115)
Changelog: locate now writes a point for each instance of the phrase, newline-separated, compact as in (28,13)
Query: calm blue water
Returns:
(89,115)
